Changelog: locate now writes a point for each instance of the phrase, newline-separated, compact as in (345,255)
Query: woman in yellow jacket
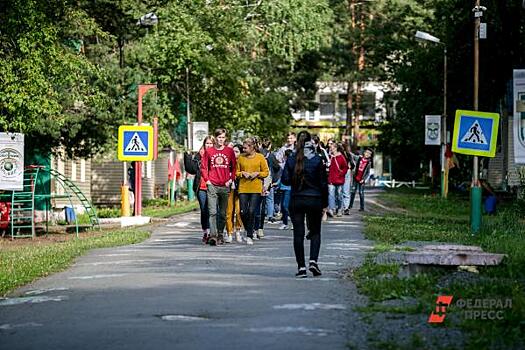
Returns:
(252,168)
(233,212)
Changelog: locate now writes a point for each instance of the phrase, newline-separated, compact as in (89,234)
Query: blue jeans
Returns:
(335,197)
(202,197)
(285,205)
(270,209)
(361,188)
(346,189)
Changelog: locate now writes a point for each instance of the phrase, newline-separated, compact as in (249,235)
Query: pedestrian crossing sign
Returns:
(135,143)
(475,133)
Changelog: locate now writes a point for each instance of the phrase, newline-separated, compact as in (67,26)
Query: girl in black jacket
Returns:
(305,172)
(192,164)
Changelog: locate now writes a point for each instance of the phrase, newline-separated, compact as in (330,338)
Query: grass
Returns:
(22,264)
(423,217)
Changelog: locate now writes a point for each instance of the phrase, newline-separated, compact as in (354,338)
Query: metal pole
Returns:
(475,207)
(444,177)
(188,109)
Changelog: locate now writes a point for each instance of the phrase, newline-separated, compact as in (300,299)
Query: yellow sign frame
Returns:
(491,152)
(121,146)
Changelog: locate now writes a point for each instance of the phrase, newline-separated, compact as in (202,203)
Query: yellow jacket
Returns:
(257,163)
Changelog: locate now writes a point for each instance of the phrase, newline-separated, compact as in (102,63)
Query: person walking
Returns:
(252,168)
(363,163)
(305,172)
(336,179)
(218,171)
(285,192)
(233,212)
(192,164)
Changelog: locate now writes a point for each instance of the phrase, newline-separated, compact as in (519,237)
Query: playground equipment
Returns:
(22,203)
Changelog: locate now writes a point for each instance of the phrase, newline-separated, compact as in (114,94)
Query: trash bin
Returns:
(70,214)
(189,184)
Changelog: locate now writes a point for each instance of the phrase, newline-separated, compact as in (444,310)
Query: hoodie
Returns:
(315,182)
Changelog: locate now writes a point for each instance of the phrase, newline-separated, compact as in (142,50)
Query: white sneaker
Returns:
(238,237)
(249,241)
(283,227)
(228,238)
(260,233)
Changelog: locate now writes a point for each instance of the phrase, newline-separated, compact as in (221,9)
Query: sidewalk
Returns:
(173,292)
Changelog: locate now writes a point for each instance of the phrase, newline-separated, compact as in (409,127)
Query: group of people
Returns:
(239,186)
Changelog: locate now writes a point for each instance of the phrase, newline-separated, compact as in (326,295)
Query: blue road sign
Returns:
(475,133)
(135,143)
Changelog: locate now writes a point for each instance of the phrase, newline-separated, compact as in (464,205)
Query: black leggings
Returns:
(302,207)
(249,203)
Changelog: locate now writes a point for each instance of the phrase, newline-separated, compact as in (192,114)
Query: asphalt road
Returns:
(173,292)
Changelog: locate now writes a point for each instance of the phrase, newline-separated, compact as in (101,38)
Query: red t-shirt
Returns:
(337,171)
(218,166)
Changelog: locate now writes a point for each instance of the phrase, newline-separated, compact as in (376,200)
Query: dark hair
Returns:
(340,148)
(238,146)
(316,139)
(220,131)
(298,177)
(291,133)
(266,143)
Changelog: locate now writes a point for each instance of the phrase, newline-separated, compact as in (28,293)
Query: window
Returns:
(82,170)
(341,105)
(368,105)
(73,170)
(327,105)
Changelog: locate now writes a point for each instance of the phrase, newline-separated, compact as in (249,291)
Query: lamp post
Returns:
(423,36)
(475,190)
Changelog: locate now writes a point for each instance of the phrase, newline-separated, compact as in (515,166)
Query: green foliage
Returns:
(20,265)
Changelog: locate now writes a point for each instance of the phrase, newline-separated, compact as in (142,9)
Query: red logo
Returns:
(438,315)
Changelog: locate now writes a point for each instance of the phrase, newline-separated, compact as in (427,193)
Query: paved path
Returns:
(172,292)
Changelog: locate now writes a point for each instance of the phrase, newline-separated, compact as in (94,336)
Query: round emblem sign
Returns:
(10,163)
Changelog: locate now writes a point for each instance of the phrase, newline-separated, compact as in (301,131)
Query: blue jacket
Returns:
(315,179)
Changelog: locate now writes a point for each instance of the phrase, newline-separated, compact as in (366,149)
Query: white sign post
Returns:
(199,133)
(433,130)
(519,116)
(11,161)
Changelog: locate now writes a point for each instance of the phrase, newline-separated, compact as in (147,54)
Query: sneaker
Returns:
(220,239)
(314,269)
(260,233)
(347,211)
(238,237)
(249,241)
(212,241)
(271,220)
(205,237)
(283,227)
(339,213)
(228,238)
(330,214)
(301,273)
(361,209)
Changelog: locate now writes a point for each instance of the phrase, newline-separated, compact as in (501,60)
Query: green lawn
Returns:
(423,217)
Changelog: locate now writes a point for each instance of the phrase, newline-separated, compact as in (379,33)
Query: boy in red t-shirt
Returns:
(218,171)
